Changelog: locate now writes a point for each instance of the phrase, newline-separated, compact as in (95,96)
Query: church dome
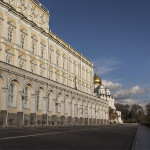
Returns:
(101,86)
(97,80)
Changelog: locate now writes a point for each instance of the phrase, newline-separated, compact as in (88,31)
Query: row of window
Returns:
(72,81)
(72,67)
(26,98)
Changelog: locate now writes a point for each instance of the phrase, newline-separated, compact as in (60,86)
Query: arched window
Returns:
(12,95)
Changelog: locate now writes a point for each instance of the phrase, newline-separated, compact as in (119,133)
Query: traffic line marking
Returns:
(33,135)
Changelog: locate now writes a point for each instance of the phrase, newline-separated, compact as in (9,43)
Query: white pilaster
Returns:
(4,36)
(33,103)
(4,98)
(20,103)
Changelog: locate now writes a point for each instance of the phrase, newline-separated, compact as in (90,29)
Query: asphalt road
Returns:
(117,137)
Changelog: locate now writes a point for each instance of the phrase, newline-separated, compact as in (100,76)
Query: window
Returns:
(50,55)
(21,64)
(10,33)
(79,85)
(50,73)
(32,68)
(33,46)
(74,69)
(64,79)
(11,92)
(69,66)
(83,86)
(8,59)
(64,62)
(69,81)
(22,40)
(42,50)
(12,95)
(42,71)
(57,76)
(74,83)
(57,59)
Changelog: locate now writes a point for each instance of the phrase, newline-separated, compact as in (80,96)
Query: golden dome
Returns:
(97,80)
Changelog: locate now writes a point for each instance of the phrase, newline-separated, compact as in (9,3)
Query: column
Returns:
(29,49)
(50,102)
(67,68)
(98,111)
(33,103)
(63,108)
(17,43)
(72,108)
(46,58)
(45,105)
(4,37)
(20,104)
(54,105)
(39,54)
(66,106)
(81,71)
(4,98)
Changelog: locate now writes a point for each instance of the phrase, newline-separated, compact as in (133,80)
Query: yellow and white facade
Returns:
(43,80)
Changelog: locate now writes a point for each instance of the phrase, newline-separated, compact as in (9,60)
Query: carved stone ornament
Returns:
(13,3)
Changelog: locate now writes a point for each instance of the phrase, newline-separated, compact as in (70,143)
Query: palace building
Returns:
(43,80)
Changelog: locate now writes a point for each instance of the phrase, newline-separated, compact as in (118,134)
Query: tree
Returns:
(147,116)
(124,111)
(112,114)
(136,113)
(131,113)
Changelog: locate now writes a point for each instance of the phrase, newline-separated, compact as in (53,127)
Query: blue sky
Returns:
(115,35)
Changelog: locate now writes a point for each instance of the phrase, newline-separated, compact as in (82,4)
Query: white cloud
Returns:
(111,85)
(133,101)
(128,93)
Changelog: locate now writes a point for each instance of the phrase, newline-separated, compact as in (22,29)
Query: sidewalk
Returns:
(142,138)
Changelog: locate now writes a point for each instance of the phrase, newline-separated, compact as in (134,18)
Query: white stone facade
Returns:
(104,93)
(43,80)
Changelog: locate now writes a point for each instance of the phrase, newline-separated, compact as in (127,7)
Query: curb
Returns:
(134,141)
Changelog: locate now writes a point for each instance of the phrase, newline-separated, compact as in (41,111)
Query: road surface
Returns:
(117,137)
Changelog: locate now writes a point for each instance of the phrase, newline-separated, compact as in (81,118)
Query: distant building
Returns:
(43,80)
(104,93)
